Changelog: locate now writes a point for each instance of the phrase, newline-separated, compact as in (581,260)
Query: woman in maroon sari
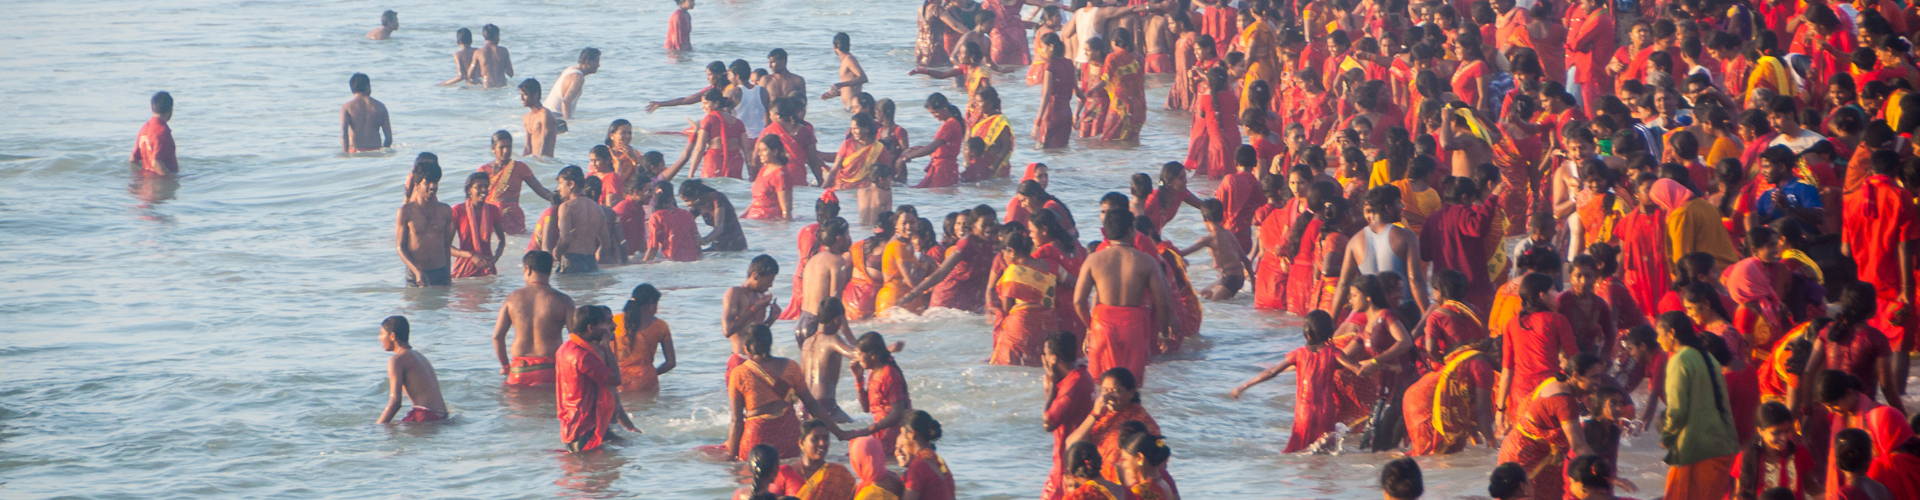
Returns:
(1053,125)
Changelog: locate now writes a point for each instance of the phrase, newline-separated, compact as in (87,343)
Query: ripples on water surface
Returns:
(222,342)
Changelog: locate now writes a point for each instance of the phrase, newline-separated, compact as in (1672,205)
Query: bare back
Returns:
(1122,276)
(362,117)
(826,273)
(583,227)
(540,132)
(1226,252)
(538,314)
(780,85)
(494,65)
(416,378)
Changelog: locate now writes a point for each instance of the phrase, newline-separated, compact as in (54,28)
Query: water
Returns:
(222,342)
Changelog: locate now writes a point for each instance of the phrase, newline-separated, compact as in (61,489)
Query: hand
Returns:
(826,96)
(897,346)
(652,106)
(1237,391)
(503,369)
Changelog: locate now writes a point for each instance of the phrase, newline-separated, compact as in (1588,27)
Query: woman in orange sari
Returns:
(1022,302)
(1093,104)
(992,128)
(1119,403)
(1274,221)
(637,336)
(1053,124)
(897,260)
(762,389)
(864,284)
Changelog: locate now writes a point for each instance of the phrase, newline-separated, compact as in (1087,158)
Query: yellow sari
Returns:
(896,255)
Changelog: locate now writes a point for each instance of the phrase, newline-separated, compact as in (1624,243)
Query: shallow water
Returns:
(219,339)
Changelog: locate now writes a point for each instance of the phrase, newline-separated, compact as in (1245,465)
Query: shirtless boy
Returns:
(749,305)
(581,228)
(363,119)
(824,275)
(781,83)
(536,313)
(822,343)
(541,124)
(852,76)
(566,88)
(463,59)
(1123,298)
(409,372)
(389,23)
(492,63)
(153,148)
(423,227)
(1228,257)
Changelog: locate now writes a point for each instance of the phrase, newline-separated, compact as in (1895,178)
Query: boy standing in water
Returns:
(542,127)
(423,227)
(749,305)
(852,76)
(389,23)
(463,59)
(409,372)
(153,148)
(492,63)
(680,27)
(779,82)
(536,312)
(566,88)
(363,119)
(1228,257)
(580,229)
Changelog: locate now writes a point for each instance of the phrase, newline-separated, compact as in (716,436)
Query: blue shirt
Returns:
(1798,193)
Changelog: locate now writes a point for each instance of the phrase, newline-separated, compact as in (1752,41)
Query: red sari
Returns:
(1066,317)
(1093,105)
(1027,294)
(1878,210)
(1053,125)
(1126,96)
(1315,403)
(1270,273)
(1537,442)
(1439,407)
(679,31)
(1105,432)
(767,188)
(1534,344)
(808,242)
(1119,337)
(943,167)
(965,287)
(1303,270)
(1216,133)
(1239,193)
(1643,257)
(473,224)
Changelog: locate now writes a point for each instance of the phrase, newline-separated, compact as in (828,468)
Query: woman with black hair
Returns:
(1697,430)
(927,476)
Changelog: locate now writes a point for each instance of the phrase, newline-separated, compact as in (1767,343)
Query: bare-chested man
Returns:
(1467,150)
(852,76)
(363,119)
(541,124)
(389,23)
(566,88)
(423,227)
(409,373)
(492,63)
(1124,299)
(1089,20)
(463,57)
(749,305)
(1381,247)
(1228,257)
(580,231)
(822,343)
(823,279)
(537,313)
(779,82)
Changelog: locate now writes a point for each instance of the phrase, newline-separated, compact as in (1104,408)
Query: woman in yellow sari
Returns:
(897,261)
(990,126)
(1023,300)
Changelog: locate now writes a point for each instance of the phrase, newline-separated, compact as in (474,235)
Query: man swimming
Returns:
(536,312)
(423,227)
(389,23)
(409,372)
(363,119)
(566,88)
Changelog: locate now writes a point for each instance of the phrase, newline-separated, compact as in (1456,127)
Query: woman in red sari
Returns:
(1056,245)
(943,169)
(772,195)
(864,284)
(1118,403)
(1216,130)
(1093,104)
(479,231)
(1536,345)
(1643,250)
(1053,124)
(1273,222)
(1542,435)
(1022,303)
(1300,248)
(1316,402)
(927,476)
(1125,83)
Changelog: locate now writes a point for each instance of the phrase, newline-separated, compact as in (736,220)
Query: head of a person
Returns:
(777,60)
(920,431)
(761,271)
(1588,475)
(1701,302)
(1083,460)
(162,105)
(1840,391)
(1119,389)
(589,60)
(591,323)
(1319,327)
(1147,451)
(530,92)
(476,187)
(490,33)
(360,84)
(1853,451)
(815,440)
(1676,331)
(1586,272)
(759,341)
(1060,352)
(1400,480)
(873,350)
(424,181)
(1507,481)
(763,461)
(537,264)
(1117,225)
(1777,427)
(842,43)
(570,181)
(393,333)
(1588,372)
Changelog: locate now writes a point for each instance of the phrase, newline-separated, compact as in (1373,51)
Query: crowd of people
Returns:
(1524,225)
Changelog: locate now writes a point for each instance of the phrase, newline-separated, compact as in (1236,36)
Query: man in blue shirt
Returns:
(1789,196)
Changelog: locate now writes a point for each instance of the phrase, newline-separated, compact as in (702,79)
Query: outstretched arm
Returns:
(1264,376)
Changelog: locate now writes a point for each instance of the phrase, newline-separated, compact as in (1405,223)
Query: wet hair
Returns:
(501,137)
(538,261)
(1450,284)
(1693,267)
(161,103)
(663,195)
(1835,385)
(1506,481)
(1319,327)
(924,427)
(1050,222)
(1372,287)
(396,325)
(573,174)
(490,33)
(1066,346)
(463,36)
(1642,335)
(589,54)
(873,343)
(531,87)
(1534,288)
(585,317)
(1118,225)
(426,168)
(1140,184)
(1018,242)
(1852,450)
(1857,305)
(842,42)
(1591,471)
(1400,478)
(1775,413)
(763,265)
(1083,460)
(643,295)
(477,179)
(777,54)
(764,461)
(1153,447)
(759,340)
(360,84)
(1702,293)
(1211,210)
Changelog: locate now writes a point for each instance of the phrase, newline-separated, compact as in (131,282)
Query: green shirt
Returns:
(1699,421)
